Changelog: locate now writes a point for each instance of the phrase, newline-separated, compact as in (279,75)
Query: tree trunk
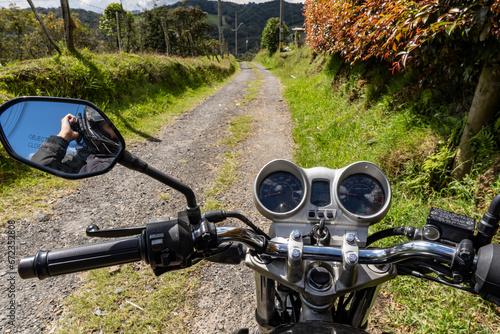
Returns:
(44,28)
(165,33)
(485,106)
(69,25)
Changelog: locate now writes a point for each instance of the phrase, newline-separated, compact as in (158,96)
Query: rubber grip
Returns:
(80,258)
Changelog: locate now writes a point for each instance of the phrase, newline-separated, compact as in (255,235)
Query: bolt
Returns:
(296,235)
(296,254)
(352,258)
(350,238)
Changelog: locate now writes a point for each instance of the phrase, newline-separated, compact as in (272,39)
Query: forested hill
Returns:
(85,16)
(254,17)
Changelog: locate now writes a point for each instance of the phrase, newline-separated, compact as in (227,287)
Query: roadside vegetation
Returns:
(139,93)
(345,113)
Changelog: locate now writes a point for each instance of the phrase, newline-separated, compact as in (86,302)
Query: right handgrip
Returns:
(80,258)
(487,273)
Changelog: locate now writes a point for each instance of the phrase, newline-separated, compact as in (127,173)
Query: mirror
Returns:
(66,137)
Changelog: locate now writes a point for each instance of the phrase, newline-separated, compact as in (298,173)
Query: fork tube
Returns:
(265,312)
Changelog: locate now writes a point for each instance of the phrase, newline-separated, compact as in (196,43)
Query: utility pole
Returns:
(219,9)
(118,31)
(235,32)
(236,28)
(282,10)
(165,32)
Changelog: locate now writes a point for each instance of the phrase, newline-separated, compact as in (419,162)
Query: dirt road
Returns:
(187,150)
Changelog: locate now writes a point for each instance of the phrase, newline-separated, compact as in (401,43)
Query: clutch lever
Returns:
(94,231)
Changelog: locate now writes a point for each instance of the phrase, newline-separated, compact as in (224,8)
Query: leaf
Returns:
(484,33)
(450,28)
(481,15)
(454,10)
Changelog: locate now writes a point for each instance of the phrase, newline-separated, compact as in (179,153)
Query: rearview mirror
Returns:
(67,137)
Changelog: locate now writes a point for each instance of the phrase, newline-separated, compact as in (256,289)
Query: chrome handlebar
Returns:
(404,251)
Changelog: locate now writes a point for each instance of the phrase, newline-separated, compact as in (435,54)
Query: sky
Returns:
(99,5)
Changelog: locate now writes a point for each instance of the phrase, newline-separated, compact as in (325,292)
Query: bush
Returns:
(271,34)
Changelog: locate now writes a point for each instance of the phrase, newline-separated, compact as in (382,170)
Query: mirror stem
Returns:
(131,161)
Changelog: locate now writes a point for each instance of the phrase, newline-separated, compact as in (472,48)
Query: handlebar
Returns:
(80,258)
(405,251)
(86,257)
(485,273)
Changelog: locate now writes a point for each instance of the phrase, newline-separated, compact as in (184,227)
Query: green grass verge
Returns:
(130,299)
(140,94)
(344,114)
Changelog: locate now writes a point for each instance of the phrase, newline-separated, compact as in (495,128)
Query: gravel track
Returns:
(187,150)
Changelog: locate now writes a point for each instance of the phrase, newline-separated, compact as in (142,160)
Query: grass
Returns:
(130,299)
(140,94)
(344,114)
(239,129)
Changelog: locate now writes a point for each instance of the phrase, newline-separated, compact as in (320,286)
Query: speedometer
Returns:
(280,192)
(363,192)
(362,195)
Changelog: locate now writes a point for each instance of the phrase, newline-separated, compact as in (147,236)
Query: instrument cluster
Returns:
(359,193)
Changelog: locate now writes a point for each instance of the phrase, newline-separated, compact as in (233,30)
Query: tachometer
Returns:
(280,192)
(361,195)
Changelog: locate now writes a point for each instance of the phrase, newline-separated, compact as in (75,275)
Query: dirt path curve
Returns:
(187,150)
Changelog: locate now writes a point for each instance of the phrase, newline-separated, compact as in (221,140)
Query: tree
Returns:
(114,13)
(271,34)
(45,30)
(69,25)
(15,25)
(184,30)
(447,37)
(191,29)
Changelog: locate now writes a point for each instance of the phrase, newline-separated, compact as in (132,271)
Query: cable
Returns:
(415,273)
(216,216)
(407,231)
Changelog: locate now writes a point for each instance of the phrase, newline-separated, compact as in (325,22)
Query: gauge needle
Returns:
(274,194)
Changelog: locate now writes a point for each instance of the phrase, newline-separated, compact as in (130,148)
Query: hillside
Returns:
(254,17)
(85,16)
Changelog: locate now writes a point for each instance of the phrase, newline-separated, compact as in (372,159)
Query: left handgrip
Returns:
(80,258)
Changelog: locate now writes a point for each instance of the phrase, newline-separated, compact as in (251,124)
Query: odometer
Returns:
(280,192)
(361,195)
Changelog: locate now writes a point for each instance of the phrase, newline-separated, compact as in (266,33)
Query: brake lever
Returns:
(94,231)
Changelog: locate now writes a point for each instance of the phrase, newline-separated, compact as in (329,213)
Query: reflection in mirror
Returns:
(64,137)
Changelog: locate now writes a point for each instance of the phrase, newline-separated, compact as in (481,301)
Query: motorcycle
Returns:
(315,271)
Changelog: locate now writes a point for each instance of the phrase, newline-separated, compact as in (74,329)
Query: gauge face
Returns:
(362,195)
(280,192)
(320,193)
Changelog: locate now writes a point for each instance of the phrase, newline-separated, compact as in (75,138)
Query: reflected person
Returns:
(97,145)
